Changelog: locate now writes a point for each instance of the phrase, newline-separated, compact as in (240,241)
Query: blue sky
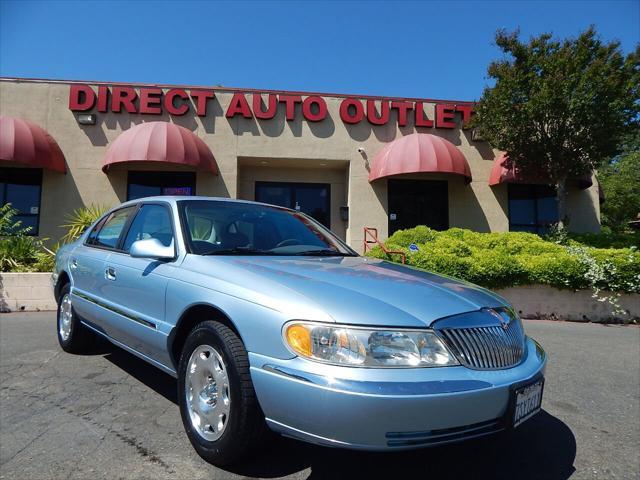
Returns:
(413,49)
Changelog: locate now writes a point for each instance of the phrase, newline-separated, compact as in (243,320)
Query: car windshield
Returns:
(236,228)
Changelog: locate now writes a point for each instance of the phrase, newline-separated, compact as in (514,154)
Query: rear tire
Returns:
(218,404)
(73,337)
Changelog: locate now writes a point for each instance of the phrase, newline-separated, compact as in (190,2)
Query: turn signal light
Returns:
(299,339)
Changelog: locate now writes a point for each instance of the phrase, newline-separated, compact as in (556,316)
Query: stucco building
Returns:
(350,161)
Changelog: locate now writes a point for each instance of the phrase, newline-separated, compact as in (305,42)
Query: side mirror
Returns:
(151,248)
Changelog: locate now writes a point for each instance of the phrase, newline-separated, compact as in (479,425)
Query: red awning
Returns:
(26,143)
(416,153)
(160,142)
(501,173)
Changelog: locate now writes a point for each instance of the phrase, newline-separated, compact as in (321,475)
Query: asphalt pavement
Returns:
(108,415)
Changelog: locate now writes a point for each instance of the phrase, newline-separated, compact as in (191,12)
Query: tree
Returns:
(620,181)
(559,108)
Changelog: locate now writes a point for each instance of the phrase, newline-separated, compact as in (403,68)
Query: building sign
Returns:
(150,100)
(175,101)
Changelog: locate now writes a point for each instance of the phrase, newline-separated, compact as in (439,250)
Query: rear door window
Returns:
(94,232)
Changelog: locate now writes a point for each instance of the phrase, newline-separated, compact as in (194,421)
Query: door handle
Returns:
(74,264)
(110,273)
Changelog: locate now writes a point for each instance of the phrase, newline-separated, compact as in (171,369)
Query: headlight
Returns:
(367,347)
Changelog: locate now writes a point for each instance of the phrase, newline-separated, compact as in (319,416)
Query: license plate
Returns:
(528,401)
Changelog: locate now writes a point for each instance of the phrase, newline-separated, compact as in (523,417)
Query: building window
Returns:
(314,199)
(532,208)
(21,187)
(150,184)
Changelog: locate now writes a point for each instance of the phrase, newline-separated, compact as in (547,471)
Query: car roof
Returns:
(175,198)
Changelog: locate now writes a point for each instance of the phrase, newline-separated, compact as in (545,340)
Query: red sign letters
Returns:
(150,101)
(156,101)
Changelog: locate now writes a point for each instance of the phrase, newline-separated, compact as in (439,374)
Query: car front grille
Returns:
(487,347)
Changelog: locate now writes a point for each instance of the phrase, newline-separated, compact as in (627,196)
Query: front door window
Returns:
(310,198)
(151,221)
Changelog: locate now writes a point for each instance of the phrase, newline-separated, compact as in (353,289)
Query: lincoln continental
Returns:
(269,321)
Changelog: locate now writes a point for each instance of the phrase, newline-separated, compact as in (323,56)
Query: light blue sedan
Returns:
(268,320)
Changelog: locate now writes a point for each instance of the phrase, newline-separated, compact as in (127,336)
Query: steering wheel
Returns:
(288,241)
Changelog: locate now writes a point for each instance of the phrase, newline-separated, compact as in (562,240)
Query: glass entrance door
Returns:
(418,202)
(310,198)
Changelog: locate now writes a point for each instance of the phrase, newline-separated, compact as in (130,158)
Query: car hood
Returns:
(356,290)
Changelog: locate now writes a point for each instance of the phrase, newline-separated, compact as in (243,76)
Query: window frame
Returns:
(36,231)
(134,210)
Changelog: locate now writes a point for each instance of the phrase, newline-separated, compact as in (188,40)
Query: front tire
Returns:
(73,337)
(218,404)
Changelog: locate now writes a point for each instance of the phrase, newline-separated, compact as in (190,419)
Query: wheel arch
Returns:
(192,316)
(63,279)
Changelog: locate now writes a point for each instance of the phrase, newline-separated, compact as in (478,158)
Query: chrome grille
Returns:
(486,347)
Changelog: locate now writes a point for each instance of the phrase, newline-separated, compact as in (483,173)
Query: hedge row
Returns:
(607,240)
(498,260)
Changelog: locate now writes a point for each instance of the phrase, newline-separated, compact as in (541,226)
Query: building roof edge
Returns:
(220,88)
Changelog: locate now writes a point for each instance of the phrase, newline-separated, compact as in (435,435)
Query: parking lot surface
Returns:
(109,415)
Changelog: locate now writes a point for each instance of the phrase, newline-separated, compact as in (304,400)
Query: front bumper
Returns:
(386,409)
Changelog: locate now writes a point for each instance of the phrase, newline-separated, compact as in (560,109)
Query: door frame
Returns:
(293,186)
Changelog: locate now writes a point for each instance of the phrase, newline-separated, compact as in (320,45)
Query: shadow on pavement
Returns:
(542,448)
(152,377)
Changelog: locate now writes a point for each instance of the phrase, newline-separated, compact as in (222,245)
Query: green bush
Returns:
(439,261)
(560,270)
(20,252)
(419,234)
(607,240)
(495,269)
(498,260)
(9,226)
(621,269)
